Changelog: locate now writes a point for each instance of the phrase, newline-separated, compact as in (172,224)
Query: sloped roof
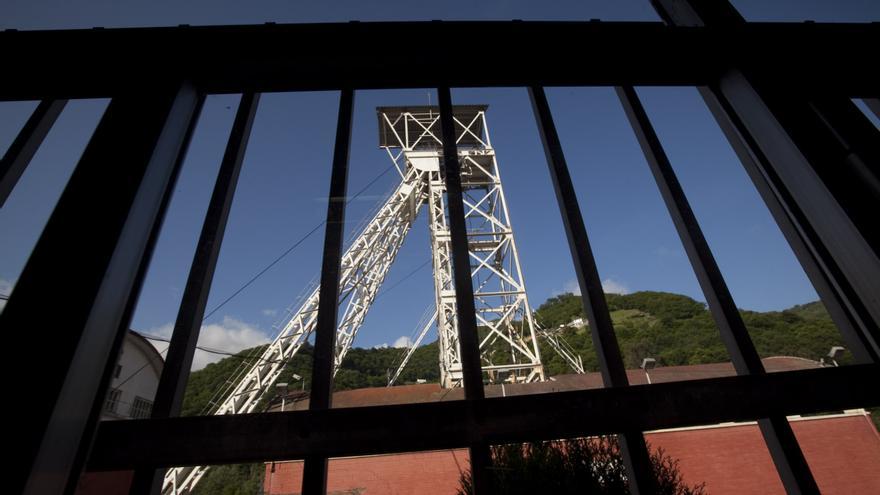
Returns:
(432,392)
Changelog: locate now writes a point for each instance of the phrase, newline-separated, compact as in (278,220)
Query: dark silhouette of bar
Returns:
(786,109)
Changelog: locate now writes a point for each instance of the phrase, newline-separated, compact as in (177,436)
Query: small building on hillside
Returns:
(578,323)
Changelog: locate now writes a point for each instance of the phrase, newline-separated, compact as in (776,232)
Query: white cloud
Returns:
(614,287)
(570,287)
(230,335)
(269,312)
(402,341)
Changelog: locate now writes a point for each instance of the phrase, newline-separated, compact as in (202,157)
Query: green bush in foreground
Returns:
(579,466)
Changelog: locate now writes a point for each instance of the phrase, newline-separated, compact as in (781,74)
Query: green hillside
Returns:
(677,330)
(672,328)
(362,368)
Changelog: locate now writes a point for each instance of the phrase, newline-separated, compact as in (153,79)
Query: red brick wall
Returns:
(104,483)
(416,473)
(843,453)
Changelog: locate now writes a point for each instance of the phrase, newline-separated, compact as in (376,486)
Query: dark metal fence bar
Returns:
(22,149)
(851,152)
(733,330)
(469,344)
(87,266)
(839,144)
(873,105)
(634,53)
(178,360)
(109,370)
(633,448)
(812,155)
(461,263)
(836,294)
(847,257)
(820,167)
(99,405)
(315,469)
(814,169)
(777,433)
(401,428)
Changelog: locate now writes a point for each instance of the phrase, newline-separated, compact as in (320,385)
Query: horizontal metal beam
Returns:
(413,427)
(264,58)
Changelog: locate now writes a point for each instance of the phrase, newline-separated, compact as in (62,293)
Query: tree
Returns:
(577,466)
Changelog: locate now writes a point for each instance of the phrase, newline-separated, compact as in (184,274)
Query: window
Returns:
(113,400)
(140,408)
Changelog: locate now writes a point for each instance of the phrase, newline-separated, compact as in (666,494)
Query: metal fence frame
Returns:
(785,107)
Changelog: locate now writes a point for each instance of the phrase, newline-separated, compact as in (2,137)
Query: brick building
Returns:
(842,449)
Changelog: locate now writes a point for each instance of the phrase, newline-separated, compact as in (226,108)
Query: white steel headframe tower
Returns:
(508,344)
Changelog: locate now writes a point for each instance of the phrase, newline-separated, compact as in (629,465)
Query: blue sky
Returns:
(52,14)
(282,192)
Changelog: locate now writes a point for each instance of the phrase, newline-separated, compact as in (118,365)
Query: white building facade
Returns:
(135,380)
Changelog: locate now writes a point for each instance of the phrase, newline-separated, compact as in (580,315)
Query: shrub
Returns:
(578,466)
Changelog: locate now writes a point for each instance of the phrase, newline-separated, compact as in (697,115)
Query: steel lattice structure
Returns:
(508,338)
(410,135)
(788,110)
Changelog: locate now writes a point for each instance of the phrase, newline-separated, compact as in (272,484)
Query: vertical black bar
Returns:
(794,162)
(845,308)
(820,174)
(873,105)
(595,306)
(633,448)
(839,144)
(99,403)
(733,330)
(178,360)
(787,455)
(85,269)
(315,468)
(472,370)
(857,140)
(817,166)
(20,152)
